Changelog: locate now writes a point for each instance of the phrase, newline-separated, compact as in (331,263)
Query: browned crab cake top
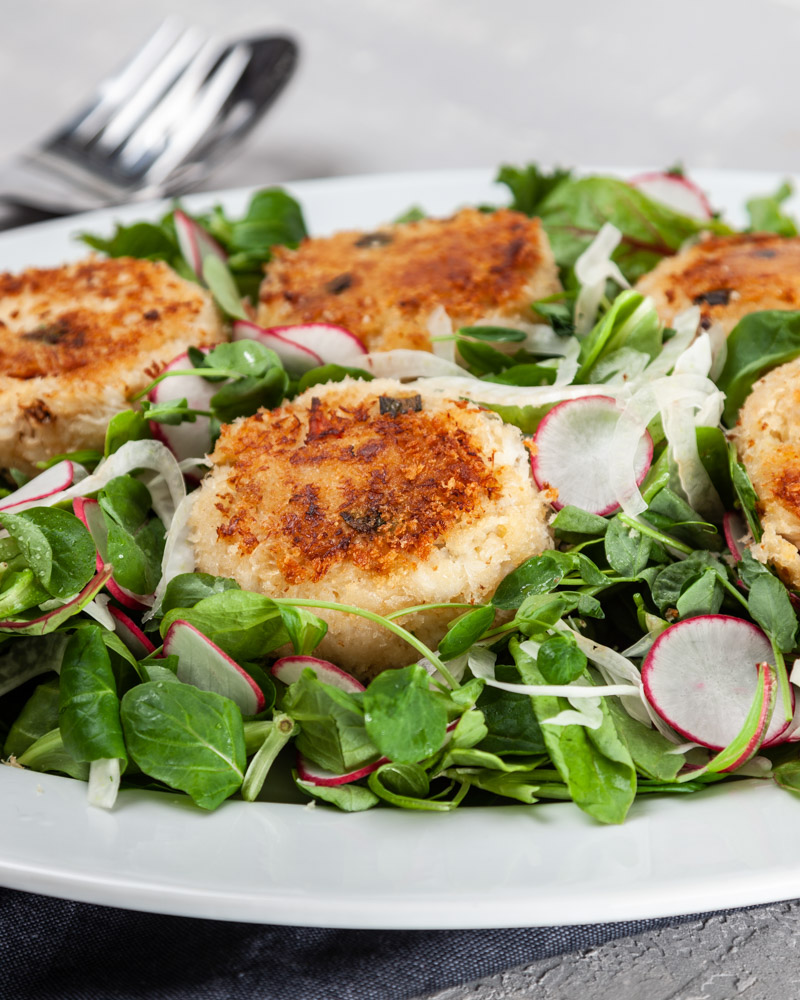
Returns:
(383,286)
(77,341)
(728,277)
(374,494)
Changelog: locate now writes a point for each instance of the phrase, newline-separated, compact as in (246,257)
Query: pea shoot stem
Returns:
(645,529)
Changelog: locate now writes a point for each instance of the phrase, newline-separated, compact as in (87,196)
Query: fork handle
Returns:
(12,216)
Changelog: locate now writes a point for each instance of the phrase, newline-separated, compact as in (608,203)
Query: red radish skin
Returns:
(130,633)
(735,529)
(53,480)
(308,771)
(195,243)
(757,738)
(95,584)
(203,664)
(700,677)
(676,192)
(289,668)
(295,357)
(332,344)
(187,440)
(571,454)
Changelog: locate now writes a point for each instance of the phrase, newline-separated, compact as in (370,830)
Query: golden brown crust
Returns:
(76,342)
(348,484)
(727,277)
(383,286)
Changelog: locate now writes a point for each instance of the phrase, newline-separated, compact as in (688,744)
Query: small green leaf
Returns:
(404,718)
(222,286)
(560,661)
(465,630)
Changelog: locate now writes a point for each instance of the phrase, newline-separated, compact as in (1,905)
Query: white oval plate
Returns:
(733,845)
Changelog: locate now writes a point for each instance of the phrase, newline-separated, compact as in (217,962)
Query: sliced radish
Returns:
(43,624)
(53,480)
(90,514)
(676,192)
(195,243)
(203,664)
(573,452)
(130,633)
(333,345)
(295,357)
(314,775)
(187,440)
(736,531)
(289,668)
(700,676)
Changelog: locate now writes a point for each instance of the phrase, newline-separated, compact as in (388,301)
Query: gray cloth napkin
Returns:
(58,950)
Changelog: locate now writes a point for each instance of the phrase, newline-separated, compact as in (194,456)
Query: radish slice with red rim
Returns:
(313,774)
(333,345)
(52,481)
(676,192)
(289,669)
(203,664)
(90,514)
(130,633)
(701,676)
(195,243)
(187,440)
(736,531)
(295,358)
(573,452)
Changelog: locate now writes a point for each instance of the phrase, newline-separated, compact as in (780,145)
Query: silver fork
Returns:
(156,127)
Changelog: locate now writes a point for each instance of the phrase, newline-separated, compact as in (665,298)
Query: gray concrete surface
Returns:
(749,955)
(387,85)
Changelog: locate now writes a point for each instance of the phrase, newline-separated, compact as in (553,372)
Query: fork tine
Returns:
(161,79)
(214,95)
(114,90)
(151,134)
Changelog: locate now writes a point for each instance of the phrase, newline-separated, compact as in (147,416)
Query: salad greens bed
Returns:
(536,696)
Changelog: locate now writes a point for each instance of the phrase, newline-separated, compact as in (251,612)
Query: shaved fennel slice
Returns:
(135,455)
(98,609)
(685,326)
(719,352)
(567,367)
(493,394)
(178,552)
(104,775)
(696,359)
(405,364)
(440,325)
(592,269)
(679,427)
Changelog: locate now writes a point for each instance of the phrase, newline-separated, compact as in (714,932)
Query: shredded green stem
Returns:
(412,640)
(202,372)
(426,607)
(659,536)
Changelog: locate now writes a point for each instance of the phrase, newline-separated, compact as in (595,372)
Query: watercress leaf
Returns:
(712,447)
(632,321)
(172,412)
(702,597)
(190,739)
(88,706)
(651,752)
(348,798)
(186,589)
(493,334)
(571,524)
(482,358)
(589,573)
(376,784)
(56,547)
(521,786)
(526,418)
(465,630)
(38,716)
(672,580)
(332,728)
(405,719)
(524,375)
(245,625)
(627,550)
(330,373)
(127,425)
(272,217)
(558,311)
(767,215)
(306,631)
(222,286)
(406,779)
(530,185)
(559,659)
(542,611)
(509,717)
(470,730)
(768,603)
(749,568)
(538,575)
(48,754)
(745,494)
(595,764)
(145,240)
(241,398)
(787,775)
(247,357)
(758,342)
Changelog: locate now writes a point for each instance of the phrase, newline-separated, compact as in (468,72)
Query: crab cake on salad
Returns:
(767,438)
(727,277)
(374,494)
(76,342)
(384,286)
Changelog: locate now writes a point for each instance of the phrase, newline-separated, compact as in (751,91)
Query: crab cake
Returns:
(375,494)
(76,342)
(768,441)
(383,286)
(728,277)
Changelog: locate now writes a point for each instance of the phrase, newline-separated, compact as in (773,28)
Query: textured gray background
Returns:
(388,85)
